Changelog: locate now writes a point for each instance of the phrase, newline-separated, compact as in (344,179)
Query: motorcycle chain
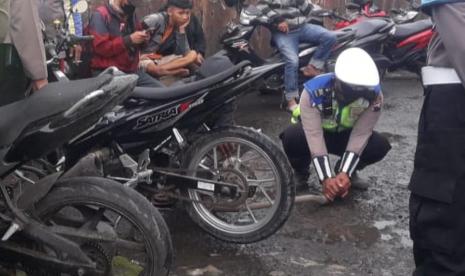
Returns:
(98,254)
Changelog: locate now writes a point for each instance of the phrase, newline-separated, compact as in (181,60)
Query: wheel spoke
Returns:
(266,195)
(118,219)
(205,167)
(260,181)
(250,212)
(250,158)
(215,159)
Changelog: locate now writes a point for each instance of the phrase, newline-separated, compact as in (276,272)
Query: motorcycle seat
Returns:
(178,91)
(405,30)
(53,99)
(367,27)
(343,35)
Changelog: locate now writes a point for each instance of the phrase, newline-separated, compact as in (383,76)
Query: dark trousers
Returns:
(437,202)
(297,151)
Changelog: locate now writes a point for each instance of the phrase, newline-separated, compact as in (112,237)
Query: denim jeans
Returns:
(288,45)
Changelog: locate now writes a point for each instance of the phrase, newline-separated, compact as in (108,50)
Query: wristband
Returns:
(349,163)
(322,167)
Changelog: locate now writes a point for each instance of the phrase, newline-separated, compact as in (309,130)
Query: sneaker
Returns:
(359,182)
(311,71)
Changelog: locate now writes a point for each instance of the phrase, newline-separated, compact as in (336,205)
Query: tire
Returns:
(126,203)
(284,196)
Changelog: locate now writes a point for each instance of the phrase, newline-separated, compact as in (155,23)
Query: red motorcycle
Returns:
(367,9)
(407,44)
(364,10)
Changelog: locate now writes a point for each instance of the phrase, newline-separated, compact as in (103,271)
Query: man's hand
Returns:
(76,51)
(343,182)
(283,27)
(330,189)
(182,28)
(199,59)
(38,84)
(139,37)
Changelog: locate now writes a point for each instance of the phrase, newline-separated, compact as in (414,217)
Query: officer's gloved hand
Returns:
(343,182)
(296,115)
(331,188)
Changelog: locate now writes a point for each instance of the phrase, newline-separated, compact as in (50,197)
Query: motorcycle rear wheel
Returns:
(258,166)
(111,207)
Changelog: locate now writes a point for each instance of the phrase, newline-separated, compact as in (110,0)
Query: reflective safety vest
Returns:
(333,118)
(345,118)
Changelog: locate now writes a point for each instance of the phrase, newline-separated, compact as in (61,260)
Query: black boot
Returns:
(301,181)
(359,182)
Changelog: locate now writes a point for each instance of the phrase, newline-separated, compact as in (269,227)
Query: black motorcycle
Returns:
(62,223)
(174,144)
(178,144)
(368,35)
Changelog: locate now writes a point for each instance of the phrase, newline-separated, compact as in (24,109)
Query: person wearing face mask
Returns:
(118,39)
(169,47)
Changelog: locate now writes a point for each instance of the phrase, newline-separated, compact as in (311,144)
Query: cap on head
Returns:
(182,4)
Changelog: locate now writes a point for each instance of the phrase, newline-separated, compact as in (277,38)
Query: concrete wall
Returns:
(214,17)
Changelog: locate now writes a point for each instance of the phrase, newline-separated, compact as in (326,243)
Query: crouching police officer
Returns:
(338,112)
(437,201)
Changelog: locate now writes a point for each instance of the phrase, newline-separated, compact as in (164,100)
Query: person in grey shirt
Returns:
(437,185)
(25,33)
(4,18)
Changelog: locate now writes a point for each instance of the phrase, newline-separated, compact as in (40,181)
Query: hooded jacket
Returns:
(112,44)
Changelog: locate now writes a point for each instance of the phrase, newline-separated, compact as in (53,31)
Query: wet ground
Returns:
(365,234)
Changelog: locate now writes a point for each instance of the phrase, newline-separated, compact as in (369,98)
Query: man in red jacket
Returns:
(118,39)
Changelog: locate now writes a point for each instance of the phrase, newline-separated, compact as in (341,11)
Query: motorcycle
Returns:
(61,223)
(167,144)
(236,44)
(367,9)
(403,47)
(407,45)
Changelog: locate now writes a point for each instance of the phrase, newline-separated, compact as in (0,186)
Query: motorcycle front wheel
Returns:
(264,194)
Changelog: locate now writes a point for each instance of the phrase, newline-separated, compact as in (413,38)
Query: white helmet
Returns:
(354,66)
(356,76)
